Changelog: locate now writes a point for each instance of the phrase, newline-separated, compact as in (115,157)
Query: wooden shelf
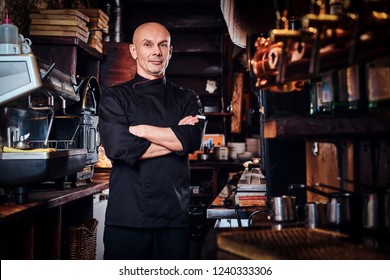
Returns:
(339,58)
(335,126)
(66,41)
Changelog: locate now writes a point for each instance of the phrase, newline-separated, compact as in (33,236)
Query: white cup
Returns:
(25,48)
(10,49)
(23,40)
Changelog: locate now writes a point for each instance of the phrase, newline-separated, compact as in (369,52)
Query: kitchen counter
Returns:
(48,197)
(40,228)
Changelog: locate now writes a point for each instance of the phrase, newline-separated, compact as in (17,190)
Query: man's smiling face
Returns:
(152,50)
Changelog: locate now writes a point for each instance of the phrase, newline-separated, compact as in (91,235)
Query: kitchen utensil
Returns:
(204,156)
(370,210)
(221,153)
(315,214)
(319,184)
(25,48)
(283,208)
(343,210)
(22,143)
(244,156)
(22,39)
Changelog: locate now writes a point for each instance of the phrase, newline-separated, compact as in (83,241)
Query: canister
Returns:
(221,153)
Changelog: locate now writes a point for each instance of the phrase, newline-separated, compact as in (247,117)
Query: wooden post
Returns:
(237,103)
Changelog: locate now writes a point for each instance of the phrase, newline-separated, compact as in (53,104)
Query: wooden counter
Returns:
(37,229)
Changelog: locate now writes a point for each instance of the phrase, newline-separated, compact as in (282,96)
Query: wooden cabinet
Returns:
(40,228)
(70,55)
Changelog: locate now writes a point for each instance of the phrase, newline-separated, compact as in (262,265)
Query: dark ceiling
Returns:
(256,16)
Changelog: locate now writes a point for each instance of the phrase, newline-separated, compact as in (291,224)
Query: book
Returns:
(244,193)
(251,198)
(252,180)
(245,201)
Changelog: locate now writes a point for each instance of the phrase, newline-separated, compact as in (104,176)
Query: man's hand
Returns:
(138,130)
(191,120)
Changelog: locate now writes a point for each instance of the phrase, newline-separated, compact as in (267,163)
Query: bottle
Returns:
(327,93)
(378,87)
(315,96)
(335,92)
(9,40)
(340,87)
(356,85)
(8,32)
(336,7)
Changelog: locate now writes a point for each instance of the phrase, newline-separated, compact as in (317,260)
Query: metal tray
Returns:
(27,168)
(42,155)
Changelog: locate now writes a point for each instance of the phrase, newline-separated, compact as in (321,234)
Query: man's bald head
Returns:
(149,27)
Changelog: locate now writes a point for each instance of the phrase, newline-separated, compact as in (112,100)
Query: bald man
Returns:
(148,126)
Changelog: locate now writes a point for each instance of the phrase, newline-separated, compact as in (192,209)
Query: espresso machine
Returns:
(48,125)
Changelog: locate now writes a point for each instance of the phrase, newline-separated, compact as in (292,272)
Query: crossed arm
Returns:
(163,140)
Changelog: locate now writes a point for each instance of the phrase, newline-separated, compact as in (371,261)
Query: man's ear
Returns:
(170,51)
(133,51)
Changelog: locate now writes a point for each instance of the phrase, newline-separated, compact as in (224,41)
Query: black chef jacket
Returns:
(151,193)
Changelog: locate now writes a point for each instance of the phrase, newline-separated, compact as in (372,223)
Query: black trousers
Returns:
(123,243)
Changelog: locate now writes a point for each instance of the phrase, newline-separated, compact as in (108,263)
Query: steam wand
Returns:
(50,108)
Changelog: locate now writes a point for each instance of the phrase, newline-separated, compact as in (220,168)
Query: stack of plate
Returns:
(235,148)
(253,146)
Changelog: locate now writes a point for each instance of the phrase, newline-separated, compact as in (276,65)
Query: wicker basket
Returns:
(81,241)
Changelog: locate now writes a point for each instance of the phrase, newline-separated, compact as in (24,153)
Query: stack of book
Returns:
(251,189)
(247,199)
(98,25)
(59,22)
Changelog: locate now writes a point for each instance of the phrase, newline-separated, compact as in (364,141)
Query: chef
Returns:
(148,127)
